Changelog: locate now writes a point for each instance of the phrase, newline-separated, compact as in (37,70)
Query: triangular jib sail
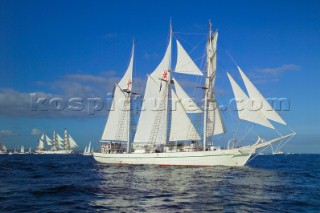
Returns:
(245,107)
(262,104)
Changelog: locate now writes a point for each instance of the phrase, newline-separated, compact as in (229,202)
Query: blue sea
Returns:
(70,183)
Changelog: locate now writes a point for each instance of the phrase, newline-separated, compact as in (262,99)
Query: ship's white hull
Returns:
(230,157)
(57,152)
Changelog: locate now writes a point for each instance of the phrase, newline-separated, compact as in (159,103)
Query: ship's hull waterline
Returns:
(58,152)
(227,157)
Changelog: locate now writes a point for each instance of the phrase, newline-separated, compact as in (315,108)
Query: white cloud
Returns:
(35,131)
(275,71)
(5,132)
(269,75)
(14,103)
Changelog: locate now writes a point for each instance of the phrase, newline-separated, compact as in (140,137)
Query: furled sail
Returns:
(188,104)
(184,63)
(244,106)
(263,104)
(116,128)
(181,126)
(215,123)
(153,121)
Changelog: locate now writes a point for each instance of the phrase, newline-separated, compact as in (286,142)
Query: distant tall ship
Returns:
(165,134)
(57,145)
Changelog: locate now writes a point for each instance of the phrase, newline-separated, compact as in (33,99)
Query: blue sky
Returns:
(79,48)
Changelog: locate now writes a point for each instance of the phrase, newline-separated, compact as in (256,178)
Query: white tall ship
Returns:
(57,145)
(165,134)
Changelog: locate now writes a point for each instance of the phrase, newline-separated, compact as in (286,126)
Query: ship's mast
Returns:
(206,87)
(166,135)
(129,110)
(65,139)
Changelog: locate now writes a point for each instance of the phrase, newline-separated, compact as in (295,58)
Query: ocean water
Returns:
(69,183)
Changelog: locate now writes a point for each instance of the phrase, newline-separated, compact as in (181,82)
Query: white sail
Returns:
(85,150)
(181,126)
(188,104)
(244,106)
(184,63)
(59,141)
(48,140)
(72,143)
(263,104)
(22,149)
(126,81)
(215,123)
(41,142)
(89,148)
(116,128)
(152,125)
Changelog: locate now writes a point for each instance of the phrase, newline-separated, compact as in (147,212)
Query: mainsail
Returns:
(152,125)
(117,126)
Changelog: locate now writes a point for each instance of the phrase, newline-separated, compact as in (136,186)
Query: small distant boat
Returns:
(278,153)
(15,151)
(29,151)
(88,150)
(3,149)
(21,150)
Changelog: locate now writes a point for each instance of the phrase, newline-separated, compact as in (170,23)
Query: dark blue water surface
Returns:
(68,183)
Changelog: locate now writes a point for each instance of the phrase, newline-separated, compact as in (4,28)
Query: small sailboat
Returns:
(88,150)
(22,151)
(3,149)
